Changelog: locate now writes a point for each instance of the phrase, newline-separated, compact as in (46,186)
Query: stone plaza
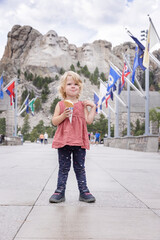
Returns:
(126,185)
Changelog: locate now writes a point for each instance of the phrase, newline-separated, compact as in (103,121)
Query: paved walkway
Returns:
(126,185)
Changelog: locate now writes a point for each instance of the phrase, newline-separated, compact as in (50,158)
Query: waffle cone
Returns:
(68,103)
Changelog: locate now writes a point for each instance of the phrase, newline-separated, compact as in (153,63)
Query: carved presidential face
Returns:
(72,50)
(51,38)
(63,42)
(87,52)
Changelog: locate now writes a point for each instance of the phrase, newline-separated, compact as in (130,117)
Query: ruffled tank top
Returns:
(75,133)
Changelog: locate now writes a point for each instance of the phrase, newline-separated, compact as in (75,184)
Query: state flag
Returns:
(1,87)
(10,91)
(112,79)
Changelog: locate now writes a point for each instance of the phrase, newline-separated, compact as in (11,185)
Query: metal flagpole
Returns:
(111,108)
(109,118)
(128,103)
(117,118)
(119,99)
(147,101)
(109,121)
(154,59)
(15,110)
(23,103)
(104,114)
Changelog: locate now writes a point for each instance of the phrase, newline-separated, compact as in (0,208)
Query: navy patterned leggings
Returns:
(64,155)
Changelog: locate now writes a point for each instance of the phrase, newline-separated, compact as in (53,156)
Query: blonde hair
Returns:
(62,86)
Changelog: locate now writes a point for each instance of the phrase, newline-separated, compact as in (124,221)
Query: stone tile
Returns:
(157,211)
(150,198)
(66,222)
(11,219)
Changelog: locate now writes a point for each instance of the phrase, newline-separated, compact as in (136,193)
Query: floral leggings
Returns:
(64,155)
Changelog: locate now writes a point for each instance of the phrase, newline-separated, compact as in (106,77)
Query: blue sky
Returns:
(80,21)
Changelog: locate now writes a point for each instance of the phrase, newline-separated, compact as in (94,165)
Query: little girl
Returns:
(72,138)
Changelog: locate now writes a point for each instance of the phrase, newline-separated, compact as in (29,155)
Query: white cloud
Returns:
(80,21)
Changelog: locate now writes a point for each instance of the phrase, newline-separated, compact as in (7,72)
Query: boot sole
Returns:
(56,201)
(91,200)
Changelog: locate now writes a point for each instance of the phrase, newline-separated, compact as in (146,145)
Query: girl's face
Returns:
(71,88)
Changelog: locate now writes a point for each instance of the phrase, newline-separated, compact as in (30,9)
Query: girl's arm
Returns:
(57,117)
(89,115)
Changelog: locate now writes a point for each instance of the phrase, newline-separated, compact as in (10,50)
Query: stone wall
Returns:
(139,143)
(11,141)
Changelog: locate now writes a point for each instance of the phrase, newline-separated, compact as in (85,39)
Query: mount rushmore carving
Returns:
(27,48)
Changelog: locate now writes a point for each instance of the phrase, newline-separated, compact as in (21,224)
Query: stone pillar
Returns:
(10,121)
(9,110)
(6,108)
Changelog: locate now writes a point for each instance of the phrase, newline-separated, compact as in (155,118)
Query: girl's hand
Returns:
(89,103)
(67,112)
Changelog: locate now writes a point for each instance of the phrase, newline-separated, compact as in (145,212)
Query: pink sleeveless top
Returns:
(75,133)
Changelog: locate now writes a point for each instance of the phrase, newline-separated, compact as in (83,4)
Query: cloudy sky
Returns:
(80,21)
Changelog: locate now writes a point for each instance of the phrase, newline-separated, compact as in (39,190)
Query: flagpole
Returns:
(119,99)
(111,107)
(23,104)
(116,135)
(147,102)
(15,110)
(154,59)
(128,103)
(104,114)
(109,121)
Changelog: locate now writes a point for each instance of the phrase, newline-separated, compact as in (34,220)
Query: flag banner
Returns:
(135,64)
(119,86)
(111,94)
(125,72)
(102,92)
(27,105)
(114,87)
(122,81)
(31,105)
(107,98)
(140,52)
(154,37)
(1,88)
(152,40)
(146,52)
(10,92)
(97,102)
(112,79)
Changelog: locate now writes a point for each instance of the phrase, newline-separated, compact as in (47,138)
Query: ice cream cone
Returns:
(69,105)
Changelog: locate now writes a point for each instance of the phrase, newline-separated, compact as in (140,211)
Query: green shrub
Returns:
(53,105)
